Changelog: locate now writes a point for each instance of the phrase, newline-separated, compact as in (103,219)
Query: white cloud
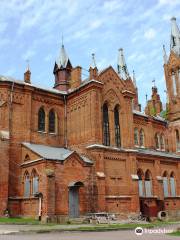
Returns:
(95,24)
(28,54)
(150,34)
(112,5)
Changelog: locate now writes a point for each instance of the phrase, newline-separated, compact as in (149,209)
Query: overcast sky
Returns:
(32,29)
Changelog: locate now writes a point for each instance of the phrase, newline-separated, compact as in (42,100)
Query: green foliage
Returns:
(18,220)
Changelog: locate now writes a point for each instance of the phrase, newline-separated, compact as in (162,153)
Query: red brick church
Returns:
(85,145)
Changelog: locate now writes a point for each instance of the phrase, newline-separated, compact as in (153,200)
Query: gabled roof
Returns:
(53,153)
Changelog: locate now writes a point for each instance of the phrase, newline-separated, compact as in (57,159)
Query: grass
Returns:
(18,221)
(177,233)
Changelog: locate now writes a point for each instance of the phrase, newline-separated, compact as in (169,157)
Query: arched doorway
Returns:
(74,198)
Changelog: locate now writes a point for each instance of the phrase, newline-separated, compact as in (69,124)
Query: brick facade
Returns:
(109,181)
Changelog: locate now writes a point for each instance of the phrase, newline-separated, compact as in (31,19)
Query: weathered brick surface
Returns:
(108,183)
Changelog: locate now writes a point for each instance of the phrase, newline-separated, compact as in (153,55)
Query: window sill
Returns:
(171,197)
(23,198)
(42,132)
(150,197)
(53,134)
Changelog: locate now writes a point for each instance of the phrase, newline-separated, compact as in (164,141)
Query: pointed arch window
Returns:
(27,185)
(174,83)
(162,142)
(148,184)
(35,182)
(140,182)
(177,141)
(136,137)
(41,120)
(172,185)
(52,121)
(141,138)
(165,184)
(106,134)
(27,158)
(117,127)
(157,141)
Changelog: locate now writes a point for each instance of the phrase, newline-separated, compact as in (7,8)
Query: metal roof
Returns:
(53,153)
(158,153)
(10,79)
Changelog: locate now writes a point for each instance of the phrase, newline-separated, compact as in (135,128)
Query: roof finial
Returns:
(164,55)
(62,39)
(175,37)
(63,58)
(146,98)
(28,67)
(134,79)
(154,81)
(121,65)
(93,61)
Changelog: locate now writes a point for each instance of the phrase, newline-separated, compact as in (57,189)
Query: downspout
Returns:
(10,111)
(65,122)
(10,128)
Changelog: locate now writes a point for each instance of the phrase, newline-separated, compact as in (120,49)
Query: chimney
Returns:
(27,76)
(75,77)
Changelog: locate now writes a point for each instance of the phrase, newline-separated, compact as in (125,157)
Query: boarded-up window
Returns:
(172,185)
(165,186)
(140,183)
(27,185)
(148,184)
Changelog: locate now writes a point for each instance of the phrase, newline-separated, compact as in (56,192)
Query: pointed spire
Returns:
(27,74)
(121,66)
(134,79)
(93,61)
(165,55)
(175,37)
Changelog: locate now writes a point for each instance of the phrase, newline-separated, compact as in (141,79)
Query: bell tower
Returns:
(62,71)
(172,72)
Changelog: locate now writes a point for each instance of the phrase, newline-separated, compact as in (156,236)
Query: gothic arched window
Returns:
(136,137)
(35,182)
(27,185)
(141,138)
(157,141)
(117,127)
(106,135)
(41,120)
(52,121)
(165,184)
(177,141)
(172,185)
(148,184)
(162,141)
(140,182)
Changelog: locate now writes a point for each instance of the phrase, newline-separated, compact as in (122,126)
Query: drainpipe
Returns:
(65,122)
(10,110)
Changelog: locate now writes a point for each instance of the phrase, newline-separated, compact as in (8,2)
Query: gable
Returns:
(110,78)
